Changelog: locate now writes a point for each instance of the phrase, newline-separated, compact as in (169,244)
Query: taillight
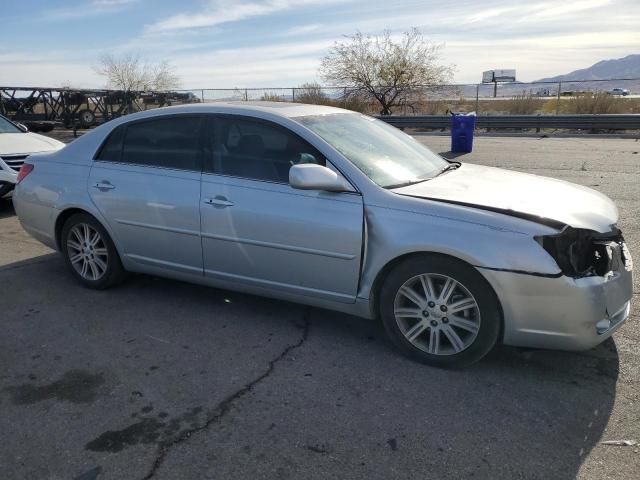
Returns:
(25,170)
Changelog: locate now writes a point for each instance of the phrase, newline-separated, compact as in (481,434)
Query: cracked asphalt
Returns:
(166,380)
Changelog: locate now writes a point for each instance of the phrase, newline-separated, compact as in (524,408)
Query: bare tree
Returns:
(132,73)
(385,69)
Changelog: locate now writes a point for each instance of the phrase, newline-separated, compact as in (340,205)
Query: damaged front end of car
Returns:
(581,305)
(583,253)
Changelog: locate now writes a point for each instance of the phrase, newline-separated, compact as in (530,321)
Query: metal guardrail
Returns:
(538,122)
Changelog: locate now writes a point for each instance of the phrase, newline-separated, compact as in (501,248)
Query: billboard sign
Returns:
(504,75)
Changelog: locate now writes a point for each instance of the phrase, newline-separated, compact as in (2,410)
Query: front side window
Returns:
(257,150)
(172,142)
(388,156)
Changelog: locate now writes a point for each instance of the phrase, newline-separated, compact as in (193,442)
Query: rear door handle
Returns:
(104,185)
(219,202)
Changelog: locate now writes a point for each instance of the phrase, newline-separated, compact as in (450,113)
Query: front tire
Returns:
(440,311)
(90,253)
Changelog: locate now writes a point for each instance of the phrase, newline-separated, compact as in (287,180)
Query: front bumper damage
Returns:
(576,310)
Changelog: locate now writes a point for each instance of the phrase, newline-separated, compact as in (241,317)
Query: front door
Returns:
(146,183)
(258,230)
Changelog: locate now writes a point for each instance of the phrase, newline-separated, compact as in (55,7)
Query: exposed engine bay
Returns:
(583,253)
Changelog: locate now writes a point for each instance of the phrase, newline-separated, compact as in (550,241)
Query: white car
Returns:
(618,91)
(16,144)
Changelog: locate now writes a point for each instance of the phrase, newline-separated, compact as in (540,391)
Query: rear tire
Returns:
(440,311)
(90,253)
(86,118)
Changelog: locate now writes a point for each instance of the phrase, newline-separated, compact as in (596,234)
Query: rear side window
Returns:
(172,142)
(112,148)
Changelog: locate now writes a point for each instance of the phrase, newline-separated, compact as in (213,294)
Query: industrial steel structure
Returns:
(43,108)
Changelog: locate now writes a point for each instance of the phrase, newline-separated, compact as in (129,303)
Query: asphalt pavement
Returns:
(166,380)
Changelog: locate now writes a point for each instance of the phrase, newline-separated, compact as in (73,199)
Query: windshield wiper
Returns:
(448,168)
(404,184)
(451,166)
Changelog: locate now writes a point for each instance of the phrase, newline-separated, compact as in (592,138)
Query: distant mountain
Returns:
(627,67)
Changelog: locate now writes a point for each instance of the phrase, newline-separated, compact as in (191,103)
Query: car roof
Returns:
(265,110)
(282,109)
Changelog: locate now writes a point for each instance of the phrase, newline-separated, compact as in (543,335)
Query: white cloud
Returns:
(551,10)
(48,74)
(304,30)
(534,11)
(284,64)
(218,12)
(93,8)
(489,13)
(538,38)
(112,3)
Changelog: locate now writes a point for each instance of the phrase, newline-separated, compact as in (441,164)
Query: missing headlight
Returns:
(581,253)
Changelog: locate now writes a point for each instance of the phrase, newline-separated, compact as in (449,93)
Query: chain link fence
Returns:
(534,98)
(43,108)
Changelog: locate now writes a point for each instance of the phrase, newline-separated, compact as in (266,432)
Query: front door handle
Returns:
(104,185)
(219,202)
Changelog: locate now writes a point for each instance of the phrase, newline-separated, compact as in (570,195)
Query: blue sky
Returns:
(261,43)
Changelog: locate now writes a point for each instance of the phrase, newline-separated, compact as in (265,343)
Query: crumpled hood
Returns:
(520,194)
(19,143)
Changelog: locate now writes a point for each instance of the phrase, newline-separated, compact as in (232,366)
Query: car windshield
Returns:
(7,127)
(388,156)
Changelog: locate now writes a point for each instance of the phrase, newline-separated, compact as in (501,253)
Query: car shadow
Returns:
(6,208)
(452,155)
(516,414)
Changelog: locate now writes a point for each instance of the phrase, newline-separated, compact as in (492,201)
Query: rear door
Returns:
(258,230)
(146,183)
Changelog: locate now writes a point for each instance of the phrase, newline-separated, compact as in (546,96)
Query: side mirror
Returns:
(22,127)
(309,176)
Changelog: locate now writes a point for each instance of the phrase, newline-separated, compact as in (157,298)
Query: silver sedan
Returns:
(335,209)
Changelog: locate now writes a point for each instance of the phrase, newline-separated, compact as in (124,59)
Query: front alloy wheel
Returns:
(437,314)
(439,310)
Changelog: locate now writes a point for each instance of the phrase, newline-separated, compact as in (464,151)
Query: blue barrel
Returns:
(462,127)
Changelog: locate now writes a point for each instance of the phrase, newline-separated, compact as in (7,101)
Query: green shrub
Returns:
(593,103)
(272,97)
(525,104)
(311,93)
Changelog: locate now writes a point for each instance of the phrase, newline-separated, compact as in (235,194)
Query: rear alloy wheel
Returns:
(440,311)
(90,253)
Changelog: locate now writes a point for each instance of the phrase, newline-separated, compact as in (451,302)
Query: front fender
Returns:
(392,233)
